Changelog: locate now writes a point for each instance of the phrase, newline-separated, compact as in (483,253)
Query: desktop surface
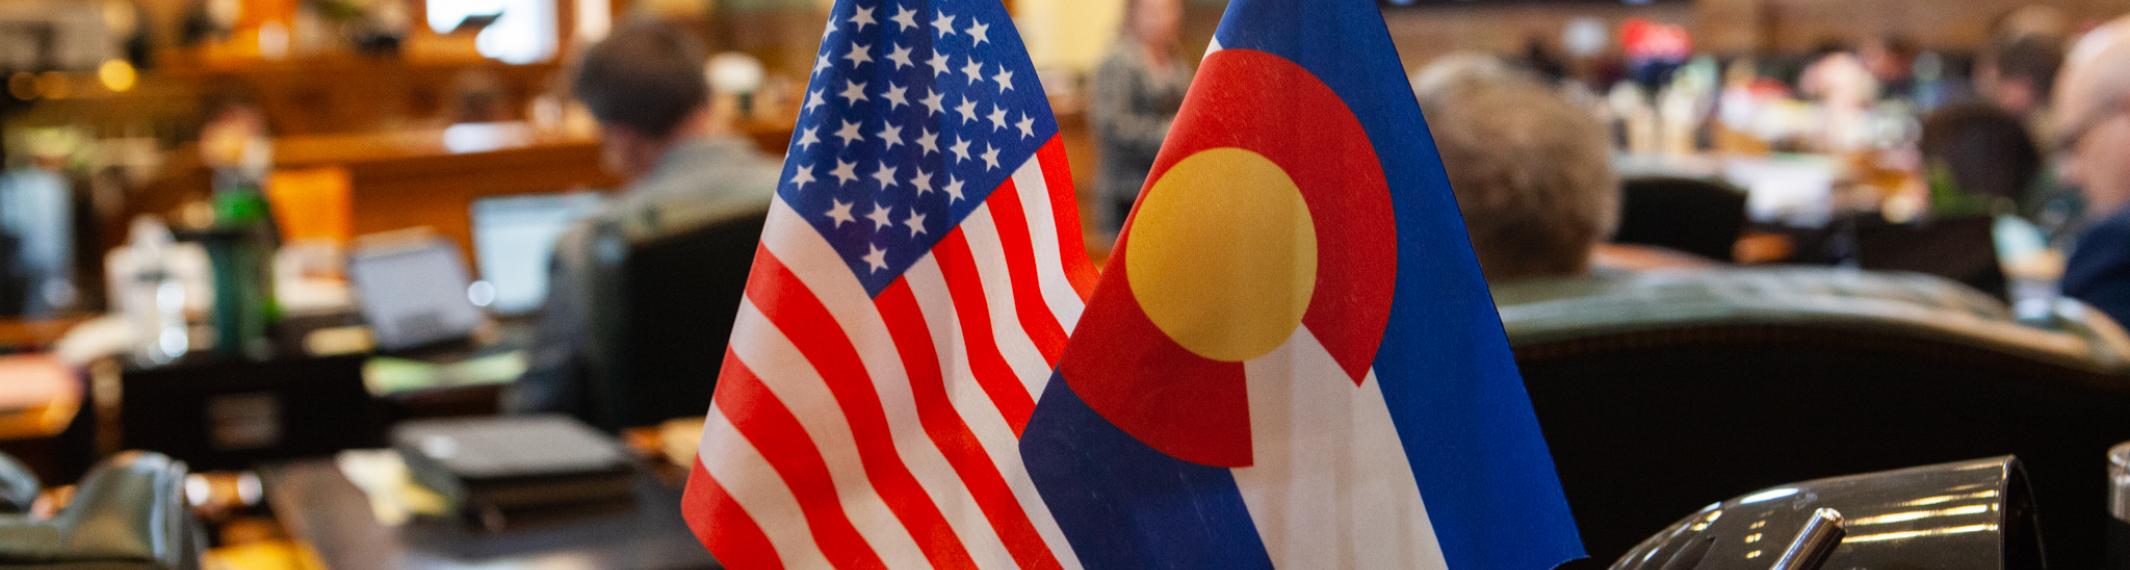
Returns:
(321,508)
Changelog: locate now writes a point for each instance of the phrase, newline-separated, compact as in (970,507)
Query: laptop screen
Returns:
(514,243)
(413,294)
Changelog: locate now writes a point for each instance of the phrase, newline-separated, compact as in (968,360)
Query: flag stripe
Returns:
(1014,342)
(1065,206)
(761,418)
(991,428)
(972,310)
(1036,319)
(729,458)
(723,526)
(791,308)
(1049,247)
(846,300)
(914,340)
(757,345)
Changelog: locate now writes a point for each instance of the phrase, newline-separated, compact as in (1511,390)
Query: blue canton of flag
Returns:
(916,112)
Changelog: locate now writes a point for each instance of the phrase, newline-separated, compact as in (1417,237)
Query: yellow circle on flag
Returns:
(1222,254)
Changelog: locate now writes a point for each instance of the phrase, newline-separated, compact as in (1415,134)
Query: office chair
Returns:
(664,314)
(1660,392)
(1962,249)
(14,280)
(129,513)
(1691,215)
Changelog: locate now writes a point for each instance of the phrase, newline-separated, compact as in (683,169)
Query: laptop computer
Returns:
(514,241)
(412,291)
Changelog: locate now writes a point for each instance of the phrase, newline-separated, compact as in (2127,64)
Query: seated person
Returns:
(645,86)
(2093,118)
(1980,160)
(1532,172)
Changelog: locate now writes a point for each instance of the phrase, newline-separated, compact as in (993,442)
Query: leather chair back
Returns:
(664,314)
(1701,217)
(1661,392)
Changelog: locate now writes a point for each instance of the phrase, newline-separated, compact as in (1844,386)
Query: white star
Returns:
(849,133)
(967,110)
(877,259)
(944,24)
(1004,79)
(929,141)
(900,55)
(808,138)
(941,64)
(960,150)
(821,63)
(814,99)
(860,54)
(922,182)
(863,18)
(991,158)
(953,190)
(897,96)
(1027,127)
(974,70)
(841,213)
(904,19)
(879,216)
(803,177)
(844,172)
(829,29)
(915,222)
(892,134)
(885,176)
(998,119)
(853,92)
(936,102)
(981,31)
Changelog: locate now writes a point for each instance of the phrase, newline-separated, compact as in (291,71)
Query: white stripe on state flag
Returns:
(1013,341)
(740,469)
(823,273)
(1329,485)
(787,374)
(977,411)
(1058,293)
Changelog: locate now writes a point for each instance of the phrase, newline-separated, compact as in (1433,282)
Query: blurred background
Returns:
(268,238)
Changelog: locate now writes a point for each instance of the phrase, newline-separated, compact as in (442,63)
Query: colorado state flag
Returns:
(1292,358)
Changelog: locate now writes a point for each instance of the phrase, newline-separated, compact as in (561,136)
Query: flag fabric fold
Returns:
(1292,358)
(918,273)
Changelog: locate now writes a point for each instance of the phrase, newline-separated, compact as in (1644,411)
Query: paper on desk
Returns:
(382,476)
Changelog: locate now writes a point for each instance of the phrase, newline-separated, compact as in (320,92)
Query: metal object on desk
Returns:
(1974,514)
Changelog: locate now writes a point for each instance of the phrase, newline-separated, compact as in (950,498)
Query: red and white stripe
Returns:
(861,432)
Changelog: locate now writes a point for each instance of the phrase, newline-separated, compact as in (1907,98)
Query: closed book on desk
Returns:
(502,468)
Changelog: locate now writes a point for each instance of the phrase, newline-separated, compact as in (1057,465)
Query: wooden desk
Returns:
(36,333)
(431,177)
(321,508)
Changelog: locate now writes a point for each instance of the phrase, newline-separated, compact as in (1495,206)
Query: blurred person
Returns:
(2017,74)
(644,85)
(1892,61)
(1980,160)
(2092,110)
(1531,170)
(477,96)
(1137,92)
(1463,69)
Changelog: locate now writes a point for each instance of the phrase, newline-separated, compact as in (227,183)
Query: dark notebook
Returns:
(496,469)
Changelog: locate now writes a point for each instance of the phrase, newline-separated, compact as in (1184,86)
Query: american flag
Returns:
(920,269)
